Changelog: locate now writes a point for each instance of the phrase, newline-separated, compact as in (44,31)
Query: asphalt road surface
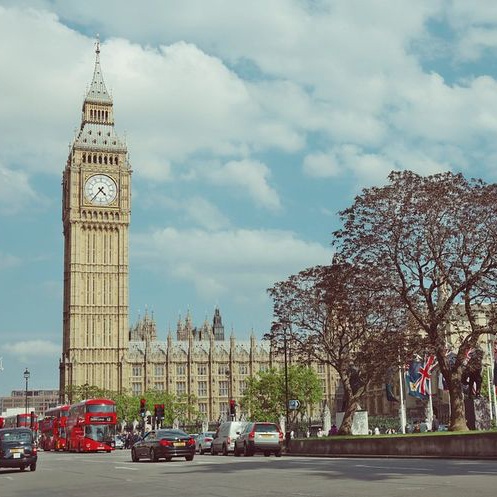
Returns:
(109,475)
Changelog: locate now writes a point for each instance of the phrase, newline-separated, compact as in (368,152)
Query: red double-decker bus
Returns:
(21,420)
(53,428)
(91,426)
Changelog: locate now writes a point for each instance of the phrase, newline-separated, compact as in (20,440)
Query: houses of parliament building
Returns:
(98,346)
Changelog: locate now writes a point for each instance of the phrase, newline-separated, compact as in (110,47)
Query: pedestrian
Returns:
(376,430)
(333,430)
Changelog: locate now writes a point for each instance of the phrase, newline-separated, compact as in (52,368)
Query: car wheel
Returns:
(278,453)
(153,456)
(134,456)
(225,450)
(32,467)
(189,458)
(200,450)
(267,453)
(22,468)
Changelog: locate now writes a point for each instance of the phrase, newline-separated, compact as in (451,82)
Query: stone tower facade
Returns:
(96,201)
(99,348)
(204,366)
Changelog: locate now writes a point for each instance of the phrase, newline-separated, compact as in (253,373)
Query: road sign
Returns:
(293,404)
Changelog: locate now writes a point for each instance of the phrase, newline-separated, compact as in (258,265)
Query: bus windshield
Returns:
(100,433)
(100,408)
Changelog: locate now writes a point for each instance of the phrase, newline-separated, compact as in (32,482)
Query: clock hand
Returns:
(100,190)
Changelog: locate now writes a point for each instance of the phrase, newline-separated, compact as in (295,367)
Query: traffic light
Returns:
(232,407)
(32,420)
(142,407)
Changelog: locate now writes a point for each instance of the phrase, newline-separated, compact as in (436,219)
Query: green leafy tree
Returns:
(184,409)
(265,394)
(433,242)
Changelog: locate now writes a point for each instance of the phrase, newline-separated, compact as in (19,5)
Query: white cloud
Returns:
(32,348)
(8,260)
(16,192)
(321,165)
(205,214)
(246,176)
(238,263)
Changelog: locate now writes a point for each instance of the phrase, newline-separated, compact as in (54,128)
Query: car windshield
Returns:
(265,428)
(16,436)
(100,432)
(209,433)
(171,433)
(100,408)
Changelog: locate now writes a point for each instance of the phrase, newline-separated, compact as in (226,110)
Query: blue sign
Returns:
(293,404)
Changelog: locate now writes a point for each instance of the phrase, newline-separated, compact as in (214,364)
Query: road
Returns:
(109,475)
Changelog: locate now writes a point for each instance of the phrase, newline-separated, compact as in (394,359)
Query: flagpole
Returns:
(490,397)
(429,417)
(402,405)
(493,385)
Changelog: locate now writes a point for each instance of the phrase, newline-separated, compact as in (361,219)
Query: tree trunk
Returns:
(348,417)
(457,410)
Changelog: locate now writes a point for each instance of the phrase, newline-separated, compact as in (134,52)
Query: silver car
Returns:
(204,441)
(259,437)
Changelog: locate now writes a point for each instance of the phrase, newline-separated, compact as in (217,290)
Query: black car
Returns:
(17,449)
(164,444)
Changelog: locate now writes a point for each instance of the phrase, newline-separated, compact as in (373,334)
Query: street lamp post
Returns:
(228,376)
(26,377)
(287,422)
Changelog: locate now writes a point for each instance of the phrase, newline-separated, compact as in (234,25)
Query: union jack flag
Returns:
(419,377)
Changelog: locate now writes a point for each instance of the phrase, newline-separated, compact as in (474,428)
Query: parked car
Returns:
(118,442)
(224,438)
(259,437)
(204,441)
(18,449)
(164,444)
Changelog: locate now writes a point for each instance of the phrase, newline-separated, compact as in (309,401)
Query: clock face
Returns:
(100,189)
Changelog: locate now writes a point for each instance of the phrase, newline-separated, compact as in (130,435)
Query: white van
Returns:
(225,436)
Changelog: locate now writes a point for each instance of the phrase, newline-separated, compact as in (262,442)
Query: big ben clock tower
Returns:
(96,201)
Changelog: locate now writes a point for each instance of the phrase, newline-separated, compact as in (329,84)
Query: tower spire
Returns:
(98,92)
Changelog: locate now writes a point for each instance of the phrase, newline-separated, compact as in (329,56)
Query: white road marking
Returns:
(393,468)
(126,467)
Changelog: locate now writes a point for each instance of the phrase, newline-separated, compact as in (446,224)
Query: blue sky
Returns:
(249,126)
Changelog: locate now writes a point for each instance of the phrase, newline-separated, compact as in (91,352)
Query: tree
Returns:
(433,241)
(265,394)
(331,316)
(184,410)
